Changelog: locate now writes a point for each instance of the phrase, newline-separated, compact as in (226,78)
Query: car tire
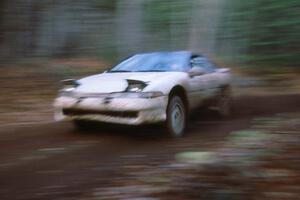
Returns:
(224,102)
(176,117)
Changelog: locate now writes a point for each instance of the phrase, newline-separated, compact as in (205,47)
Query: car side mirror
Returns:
(196,71)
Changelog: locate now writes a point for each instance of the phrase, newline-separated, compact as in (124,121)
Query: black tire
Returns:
(176,117)
(224,102)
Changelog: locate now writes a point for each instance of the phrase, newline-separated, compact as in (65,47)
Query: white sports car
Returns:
(147,88)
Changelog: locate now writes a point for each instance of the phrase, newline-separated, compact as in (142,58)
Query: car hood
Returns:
(116,82)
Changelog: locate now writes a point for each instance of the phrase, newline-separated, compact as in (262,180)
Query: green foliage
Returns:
(110,5)
(263,32)
(168,22)
(257,32)
(160,14)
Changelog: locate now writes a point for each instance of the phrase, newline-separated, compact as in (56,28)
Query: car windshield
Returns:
(154,62)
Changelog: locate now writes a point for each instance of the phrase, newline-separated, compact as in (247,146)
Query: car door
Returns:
(205,85)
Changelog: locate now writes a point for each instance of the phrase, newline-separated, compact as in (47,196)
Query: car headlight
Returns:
(135,85)
(134,90)
(69,85)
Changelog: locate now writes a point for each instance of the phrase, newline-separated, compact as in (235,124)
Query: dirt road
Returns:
(55,161)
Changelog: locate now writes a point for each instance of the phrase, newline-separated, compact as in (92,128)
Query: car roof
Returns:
(165,52)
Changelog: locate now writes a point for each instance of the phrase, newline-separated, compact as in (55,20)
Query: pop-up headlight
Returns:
(68,86)
(135,85)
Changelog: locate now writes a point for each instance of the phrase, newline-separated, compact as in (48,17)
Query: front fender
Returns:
(166,84)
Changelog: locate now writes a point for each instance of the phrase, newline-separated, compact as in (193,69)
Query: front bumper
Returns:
(131,111)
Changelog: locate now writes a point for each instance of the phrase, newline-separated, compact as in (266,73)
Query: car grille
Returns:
(125,114)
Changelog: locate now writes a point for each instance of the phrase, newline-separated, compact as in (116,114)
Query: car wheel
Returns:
(176,117)
(224,102)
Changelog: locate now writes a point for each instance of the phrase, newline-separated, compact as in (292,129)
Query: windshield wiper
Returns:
(117,71)
(151,71)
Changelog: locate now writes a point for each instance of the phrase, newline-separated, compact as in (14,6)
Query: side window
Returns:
(204,63)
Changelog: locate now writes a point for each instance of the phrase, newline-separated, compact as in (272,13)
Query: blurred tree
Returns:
(129,27)
(264,32)
(260,32)
(205,19)
(110,5)
(167,23)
